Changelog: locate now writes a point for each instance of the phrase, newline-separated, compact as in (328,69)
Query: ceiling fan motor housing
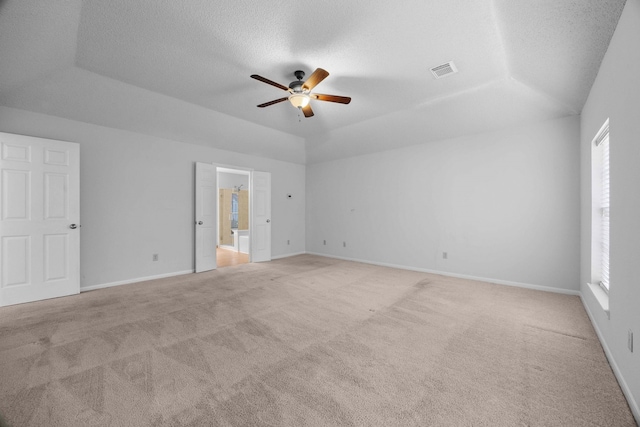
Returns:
(296,86)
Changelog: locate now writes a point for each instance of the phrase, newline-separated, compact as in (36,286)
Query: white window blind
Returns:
(604,145)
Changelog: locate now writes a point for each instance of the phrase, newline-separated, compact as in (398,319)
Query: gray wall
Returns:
(505,206)
(137,197)
(616,95)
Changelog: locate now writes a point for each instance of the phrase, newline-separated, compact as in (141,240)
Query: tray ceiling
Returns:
(163,67)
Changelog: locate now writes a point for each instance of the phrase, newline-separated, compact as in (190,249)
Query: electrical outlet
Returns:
(630,340)
(445,255)
(324,242)
(344,244)
(288,242)
(155,257)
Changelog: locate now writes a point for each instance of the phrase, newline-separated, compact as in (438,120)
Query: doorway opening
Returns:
(234,235)
(207,215)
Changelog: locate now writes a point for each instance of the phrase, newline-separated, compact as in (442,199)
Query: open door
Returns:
(206,216)
(40,215)
(261,217)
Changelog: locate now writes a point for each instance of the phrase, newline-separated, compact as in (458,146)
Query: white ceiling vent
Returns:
(444,70)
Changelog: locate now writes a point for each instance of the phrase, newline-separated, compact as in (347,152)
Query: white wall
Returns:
(137,197)
(230,180)
(503,205)
(616,95)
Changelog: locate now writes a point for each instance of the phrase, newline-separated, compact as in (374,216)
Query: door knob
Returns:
(268,220)
(199,222)
(73,226)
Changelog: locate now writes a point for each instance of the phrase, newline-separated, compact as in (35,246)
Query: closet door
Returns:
(40,219)
(261,217)
(206,223)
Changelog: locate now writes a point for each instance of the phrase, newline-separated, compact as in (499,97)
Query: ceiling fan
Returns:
(300,92)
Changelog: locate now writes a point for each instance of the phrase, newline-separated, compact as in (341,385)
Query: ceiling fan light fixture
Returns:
(299,100)
(300,92)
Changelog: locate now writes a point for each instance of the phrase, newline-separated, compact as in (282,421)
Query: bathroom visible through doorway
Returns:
(234,241)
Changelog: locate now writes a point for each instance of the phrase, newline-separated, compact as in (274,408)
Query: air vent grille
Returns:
(444,70)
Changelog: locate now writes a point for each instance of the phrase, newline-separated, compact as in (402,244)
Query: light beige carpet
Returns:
(306,341)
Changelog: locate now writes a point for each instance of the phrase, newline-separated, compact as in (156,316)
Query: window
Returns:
(601,205)
(604,205)
(234,210)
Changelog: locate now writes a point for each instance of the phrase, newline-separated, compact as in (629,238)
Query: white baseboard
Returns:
(614,366)
(288,255)
(136,280)
(159,276)
(382,264)
(460,276)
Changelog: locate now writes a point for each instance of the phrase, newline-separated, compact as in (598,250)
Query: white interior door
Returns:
(40,219)
(261,217)
(206,217)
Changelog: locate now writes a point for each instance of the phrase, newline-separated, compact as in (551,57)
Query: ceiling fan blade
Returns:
(275,101)
(331,98)
(269,82)
(318,75)
(308,112)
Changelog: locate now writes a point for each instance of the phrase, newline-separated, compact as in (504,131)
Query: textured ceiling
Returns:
(170,68)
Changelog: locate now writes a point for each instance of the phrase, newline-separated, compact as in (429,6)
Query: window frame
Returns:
(601,203)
